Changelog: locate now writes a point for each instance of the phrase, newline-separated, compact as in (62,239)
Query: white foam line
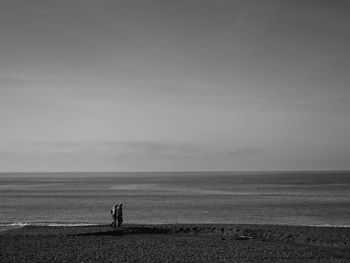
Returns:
(330,225)
(53,224)
(23,224)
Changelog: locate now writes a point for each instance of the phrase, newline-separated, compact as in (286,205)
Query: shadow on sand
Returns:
(128,231)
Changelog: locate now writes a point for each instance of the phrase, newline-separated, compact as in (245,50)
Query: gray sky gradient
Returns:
(147,85)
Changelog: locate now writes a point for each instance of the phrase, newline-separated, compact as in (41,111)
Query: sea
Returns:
(310,198)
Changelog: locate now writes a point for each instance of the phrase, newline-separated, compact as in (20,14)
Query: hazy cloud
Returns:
(137,148)
(245,151)
(178,84)
(13,82)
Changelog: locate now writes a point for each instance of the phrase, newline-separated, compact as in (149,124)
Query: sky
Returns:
(185,85)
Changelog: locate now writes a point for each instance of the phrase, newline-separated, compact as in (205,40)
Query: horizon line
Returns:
(178,171)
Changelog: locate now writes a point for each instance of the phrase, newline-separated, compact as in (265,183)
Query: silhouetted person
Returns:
(114,216)
(119,214)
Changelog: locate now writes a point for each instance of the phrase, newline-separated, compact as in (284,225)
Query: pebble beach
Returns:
(176,243)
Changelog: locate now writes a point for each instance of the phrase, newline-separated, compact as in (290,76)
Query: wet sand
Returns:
(176,243)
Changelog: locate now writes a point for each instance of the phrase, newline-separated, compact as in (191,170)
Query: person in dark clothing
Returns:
(114,216)
(120,215)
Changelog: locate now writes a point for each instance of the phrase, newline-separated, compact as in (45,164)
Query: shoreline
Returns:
(84,224)
(176,242)
(19,225)
(300,234)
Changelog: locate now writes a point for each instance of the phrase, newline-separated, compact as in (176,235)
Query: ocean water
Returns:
(293,198)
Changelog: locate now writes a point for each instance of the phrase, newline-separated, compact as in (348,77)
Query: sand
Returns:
(176,243)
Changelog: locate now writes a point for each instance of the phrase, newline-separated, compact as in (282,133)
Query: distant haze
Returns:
(126,85)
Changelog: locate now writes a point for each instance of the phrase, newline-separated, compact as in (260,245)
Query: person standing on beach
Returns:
(114,216)
(120,214)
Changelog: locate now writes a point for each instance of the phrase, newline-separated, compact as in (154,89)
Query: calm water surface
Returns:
(297,198)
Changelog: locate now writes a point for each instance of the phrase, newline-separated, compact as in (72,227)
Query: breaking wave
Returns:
(56,224)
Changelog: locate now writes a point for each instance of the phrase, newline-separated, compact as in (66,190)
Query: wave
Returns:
(78,224)
(187,190)
(134,187)
(55,224)
(330,225)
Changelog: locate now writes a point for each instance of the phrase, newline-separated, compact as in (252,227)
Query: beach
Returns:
(176,243)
